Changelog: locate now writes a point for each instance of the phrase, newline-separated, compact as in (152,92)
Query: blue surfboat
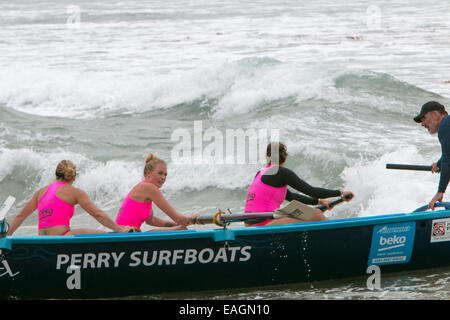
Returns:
(119,265)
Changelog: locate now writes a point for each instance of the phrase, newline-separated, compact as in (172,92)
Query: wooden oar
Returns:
(3,211)
(6,206)
(408,167)
(294,209)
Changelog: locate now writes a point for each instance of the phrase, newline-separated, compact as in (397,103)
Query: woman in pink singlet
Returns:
(56,203)
(137,205)
(269,189)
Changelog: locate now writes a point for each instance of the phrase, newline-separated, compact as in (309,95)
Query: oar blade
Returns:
(6,206)
(297,210)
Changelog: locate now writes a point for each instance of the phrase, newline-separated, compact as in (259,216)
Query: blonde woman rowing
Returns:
(137,206)
(56,204)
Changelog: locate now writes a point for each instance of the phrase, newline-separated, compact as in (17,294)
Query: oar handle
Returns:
(335,202)
(408,167)
(220,218)
(204,220)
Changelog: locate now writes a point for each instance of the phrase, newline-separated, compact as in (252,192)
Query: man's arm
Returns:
(444,161)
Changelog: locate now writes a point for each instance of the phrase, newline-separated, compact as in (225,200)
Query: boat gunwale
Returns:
(230,232)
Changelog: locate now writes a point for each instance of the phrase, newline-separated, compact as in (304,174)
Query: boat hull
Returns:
(118,265)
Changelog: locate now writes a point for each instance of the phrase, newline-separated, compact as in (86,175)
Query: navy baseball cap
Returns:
(427,107)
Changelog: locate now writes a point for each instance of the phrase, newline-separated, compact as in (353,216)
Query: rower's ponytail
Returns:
(66,171)
(151,161)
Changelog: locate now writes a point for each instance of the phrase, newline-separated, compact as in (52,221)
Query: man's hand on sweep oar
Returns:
(435,168)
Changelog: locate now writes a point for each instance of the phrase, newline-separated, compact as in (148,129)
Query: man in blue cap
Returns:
(434,117)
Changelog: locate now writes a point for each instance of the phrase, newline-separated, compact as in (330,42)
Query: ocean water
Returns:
(104,83)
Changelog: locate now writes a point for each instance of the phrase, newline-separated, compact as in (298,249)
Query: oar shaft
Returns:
(224,218)
(234,217)
(331,204)
(408,167)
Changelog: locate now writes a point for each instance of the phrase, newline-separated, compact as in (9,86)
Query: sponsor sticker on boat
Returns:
(440,230)
(392,243)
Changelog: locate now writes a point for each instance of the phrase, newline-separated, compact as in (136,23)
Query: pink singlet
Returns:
(264,198)
(133,213)
(52,210)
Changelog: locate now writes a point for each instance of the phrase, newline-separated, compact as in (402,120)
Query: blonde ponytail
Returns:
(66,171)
(151,161)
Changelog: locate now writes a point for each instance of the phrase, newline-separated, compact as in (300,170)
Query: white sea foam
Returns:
(235,87)
(183,177)
(384,191)
(109,182)
(105,182)
(42,164)
(74,94)
(394,38)
(377,190)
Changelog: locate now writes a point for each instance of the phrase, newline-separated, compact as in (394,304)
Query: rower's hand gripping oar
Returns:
(294,209)
(335,202)
(3,211)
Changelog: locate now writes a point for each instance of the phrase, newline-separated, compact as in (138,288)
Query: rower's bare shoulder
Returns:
(76,191)
(40,193)
(149,187)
